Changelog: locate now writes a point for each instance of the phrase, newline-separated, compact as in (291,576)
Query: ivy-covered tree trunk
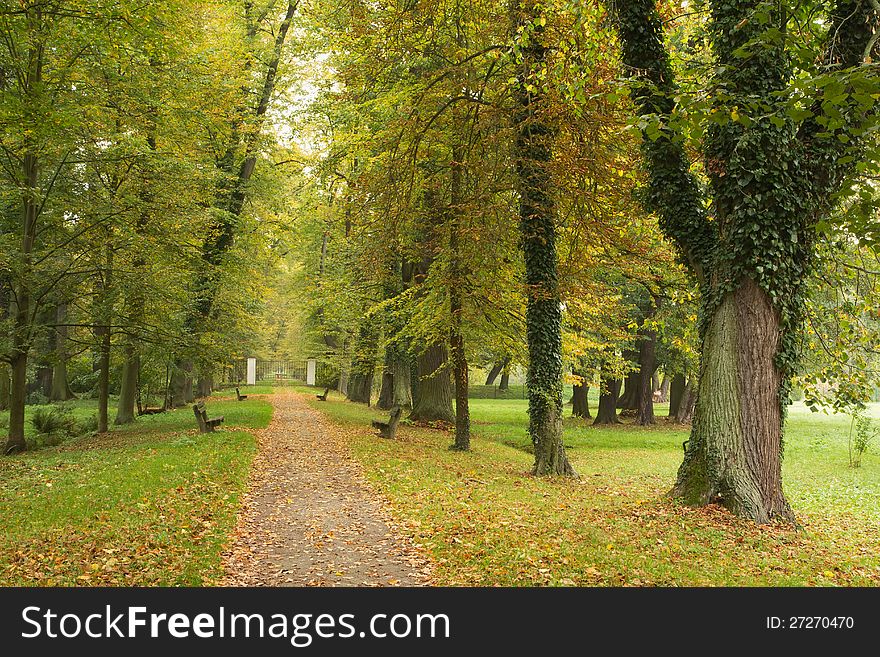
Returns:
(433,399)
(771,180)
(537,214)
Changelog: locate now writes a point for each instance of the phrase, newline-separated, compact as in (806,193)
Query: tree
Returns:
(773,160)
(538,227)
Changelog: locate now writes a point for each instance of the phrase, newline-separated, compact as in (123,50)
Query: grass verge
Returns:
(485,521)
(149,504)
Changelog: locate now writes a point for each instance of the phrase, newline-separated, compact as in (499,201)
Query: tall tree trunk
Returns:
(497,368)
(205,385)
(433,401)
(462,406)
(104,316)
(232,192)
(735,450)
(125,409)
(386,392)
(4,387)
(16,442)
(60,384)
(607,413)
(632,384)
(676,393)
(180,389)
(580,402)
(360,387)
(363,366)
(648,363)
(664,389)
(629,400)
(44,380)
(103,378)
(504,384)
(395,381)
(685,413)
(22,323)
(456,284)
(538,229)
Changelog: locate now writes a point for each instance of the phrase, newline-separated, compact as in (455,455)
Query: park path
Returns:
(309,517)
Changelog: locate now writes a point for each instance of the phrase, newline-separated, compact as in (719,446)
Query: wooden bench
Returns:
(206,424)
(324,396)
(240,396)
(389,429)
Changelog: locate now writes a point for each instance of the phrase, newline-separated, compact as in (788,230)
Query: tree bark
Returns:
(504,384)
(580,402)
(386,392)
(180,388)
(433,401)
(4,387)
(676,394)
(607,413)
(497,368)
(686,409)
(648,363)
(734,454)
(22,322)
(395,381)
(360,387)
(125,409)
(103,333)
(664,389)
(460,376)
(60,383)
(629,398)
(537,213)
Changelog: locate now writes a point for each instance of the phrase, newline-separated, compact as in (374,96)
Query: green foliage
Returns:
(770,172)
(53,425)
(860,439)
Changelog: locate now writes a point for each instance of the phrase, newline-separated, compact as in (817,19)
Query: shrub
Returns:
(37,398)
(859,442)
(53,426)
(87,426)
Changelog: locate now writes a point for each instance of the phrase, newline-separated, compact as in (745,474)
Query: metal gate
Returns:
(272,372)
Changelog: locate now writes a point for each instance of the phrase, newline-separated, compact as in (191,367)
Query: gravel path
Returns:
(309,517)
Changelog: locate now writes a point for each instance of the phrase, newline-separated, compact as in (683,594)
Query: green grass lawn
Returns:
(486,521)
(147,504)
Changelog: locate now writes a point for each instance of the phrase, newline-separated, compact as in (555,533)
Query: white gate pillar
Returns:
(311,369)
(252,371)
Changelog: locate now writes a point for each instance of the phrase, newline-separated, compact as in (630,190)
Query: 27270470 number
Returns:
(810,623)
